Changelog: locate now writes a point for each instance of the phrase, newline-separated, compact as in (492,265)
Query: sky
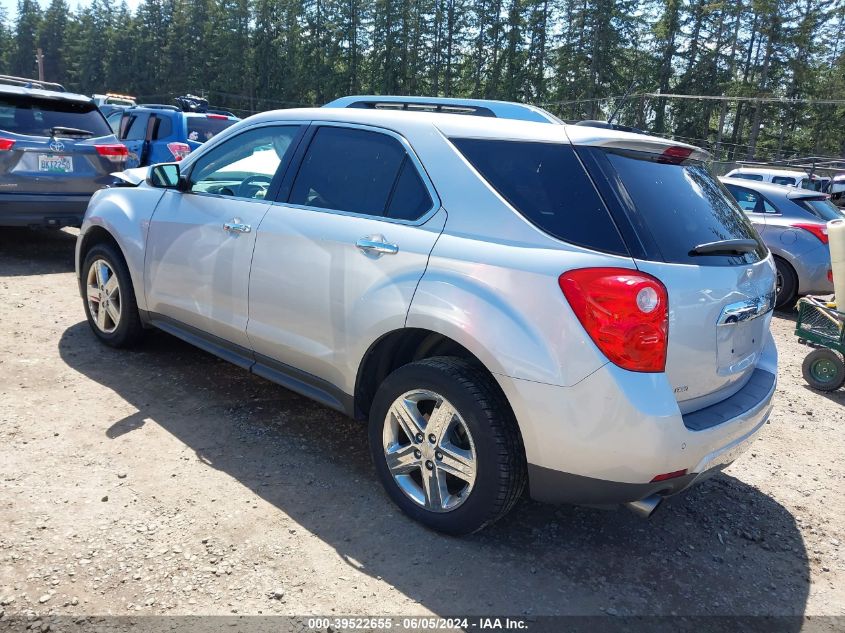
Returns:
(11,5)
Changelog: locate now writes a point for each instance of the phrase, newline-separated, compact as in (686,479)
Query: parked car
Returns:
(111,103)
(504,301)
(448,105)
(156,133)
(55,151)
(793,225)
(800,179)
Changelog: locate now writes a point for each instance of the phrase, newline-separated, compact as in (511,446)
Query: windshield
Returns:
(821,208)
(203,128)
(37,117)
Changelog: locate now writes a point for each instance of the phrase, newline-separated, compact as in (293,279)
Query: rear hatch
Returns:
(683,227)
(55,146)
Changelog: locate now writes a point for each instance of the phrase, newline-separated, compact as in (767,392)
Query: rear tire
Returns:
(464,467)
(787,285)
(109,298)
(824,370)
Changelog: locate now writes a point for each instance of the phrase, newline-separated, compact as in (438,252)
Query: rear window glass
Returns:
(821,208)
(682,206)
(547,184)
(202,128)
(37,117)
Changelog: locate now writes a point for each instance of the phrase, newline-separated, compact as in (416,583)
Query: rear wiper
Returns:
(725,247)
(70,131)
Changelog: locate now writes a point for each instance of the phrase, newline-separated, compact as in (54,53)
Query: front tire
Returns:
(109,298)
(446,445)
(824,370)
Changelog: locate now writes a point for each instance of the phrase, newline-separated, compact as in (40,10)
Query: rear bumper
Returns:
(812,268)
(603,440)
(48,210)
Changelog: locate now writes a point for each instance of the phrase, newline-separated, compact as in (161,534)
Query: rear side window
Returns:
(360,171)
(546,184)
(680,206)
(822,208)
(783,180)
(37,117)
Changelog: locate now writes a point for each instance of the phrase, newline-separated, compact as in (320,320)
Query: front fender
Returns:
(124,213)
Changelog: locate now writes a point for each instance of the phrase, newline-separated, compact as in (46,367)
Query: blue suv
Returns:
(157,133)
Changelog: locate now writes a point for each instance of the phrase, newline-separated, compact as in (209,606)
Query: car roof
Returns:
(498,109)
(463,126)
(771,189)
(20,91)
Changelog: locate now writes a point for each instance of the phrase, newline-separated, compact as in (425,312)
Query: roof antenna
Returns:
(621,101)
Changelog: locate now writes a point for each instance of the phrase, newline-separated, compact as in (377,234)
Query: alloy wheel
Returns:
(103,293)
(429,450)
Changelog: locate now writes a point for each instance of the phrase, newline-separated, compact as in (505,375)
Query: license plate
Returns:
(55,163)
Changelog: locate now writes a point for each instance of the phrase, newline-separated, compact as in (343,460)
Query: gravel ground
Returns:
(165,481)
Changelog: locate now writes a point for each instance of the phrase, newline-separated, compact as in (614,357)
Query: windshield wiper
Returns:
(70,131)
(725,247)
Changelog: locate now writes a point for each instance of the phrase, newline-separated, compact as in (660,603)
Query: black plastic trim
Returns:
(756,391)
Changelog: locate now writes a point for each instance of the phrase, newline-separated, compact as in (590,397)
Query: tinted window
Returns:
(682,206)
(757,177)
(750,201)
(348,170)
(136,127)
(410,199)
(36,117)
(205,127)
(114,121)
(244,165)
(164,127)
(546,183)
(812,185)
(822,208)
(783,180)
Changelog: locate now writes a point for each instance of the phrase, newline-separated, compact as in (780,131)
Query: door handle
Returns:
(376,245)
(236,226)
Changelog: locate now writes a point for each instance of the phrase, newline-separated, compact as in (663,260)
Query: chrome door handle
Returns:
(236,226)
(376,245)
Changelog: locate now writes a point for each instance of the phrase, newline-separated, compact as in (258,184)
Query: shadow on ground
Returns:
(26,251)
(724,548)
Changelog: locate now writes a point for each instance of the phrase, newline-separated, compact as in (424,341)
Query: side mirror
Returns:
(166,176)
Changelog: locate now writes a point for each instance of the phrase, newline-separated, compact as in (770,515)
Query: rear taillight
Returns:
(179,150)
(6,144)
(830,275)
(624,311)
(115,152)
(819,230)
(675,154)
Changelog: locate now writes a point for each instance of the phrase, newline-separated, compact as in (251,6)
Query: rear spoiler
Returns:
(797,193)
(614,139)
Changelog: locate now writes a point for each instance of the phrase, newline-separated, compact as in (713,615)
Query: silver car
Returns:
(793,225)
(504,302)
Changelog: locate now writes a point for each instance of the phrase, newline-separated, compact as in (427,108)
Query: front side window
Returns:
(244,165)
(360,171)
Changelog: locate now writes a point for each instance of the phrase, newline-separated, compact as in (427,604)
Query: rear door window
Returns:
(783,180)
(676,206)
(136,127)
(37,117)
(750,201)
(546,184)
(358,171)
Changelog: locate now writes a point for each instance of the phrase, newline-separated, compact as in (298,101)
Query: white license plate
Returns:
(55,163)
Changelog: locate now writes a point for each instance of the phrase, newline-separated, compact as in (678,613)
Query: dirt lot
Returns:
(166,481)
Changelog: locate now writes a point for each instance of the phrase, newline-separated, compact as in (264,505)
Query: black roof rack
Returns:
(24,82)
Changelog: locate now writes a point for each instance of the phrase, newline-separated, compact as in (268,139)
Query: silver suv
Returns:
(504,302)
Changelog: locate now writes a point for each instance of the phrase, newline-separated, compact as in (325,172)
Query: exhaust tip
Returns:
(645,507)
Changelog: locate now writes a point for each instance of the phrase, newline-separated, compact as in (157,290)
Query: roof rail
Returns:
(25,82)
(157,106)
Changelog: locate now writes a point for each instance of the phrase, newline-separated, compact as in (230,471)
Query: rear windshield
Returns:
(37,117)
(546,183)
(822,208)
(679,207)
(812,184)
(202,128)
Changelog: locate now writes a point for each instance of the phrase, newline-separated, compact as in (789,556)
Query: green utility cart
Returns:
(820,326)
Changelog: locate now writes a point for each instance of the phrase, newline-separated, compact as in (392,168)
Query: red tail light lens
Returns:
(179,150)
(675,154)
(830,275)
(674,474)
(6,144)
(115,152)
(624,311)
(818,230)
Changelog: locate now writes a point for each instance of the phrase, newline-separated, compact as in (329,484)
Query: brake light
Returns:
(115,152)
(675,154)
(819,230)
(179,150)
(624,311)
(830,275)
(6,144)
(216,116)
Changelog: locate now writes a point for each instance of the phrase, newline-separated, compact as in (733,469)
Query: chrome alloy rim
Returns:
(103,292)
(429,450)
